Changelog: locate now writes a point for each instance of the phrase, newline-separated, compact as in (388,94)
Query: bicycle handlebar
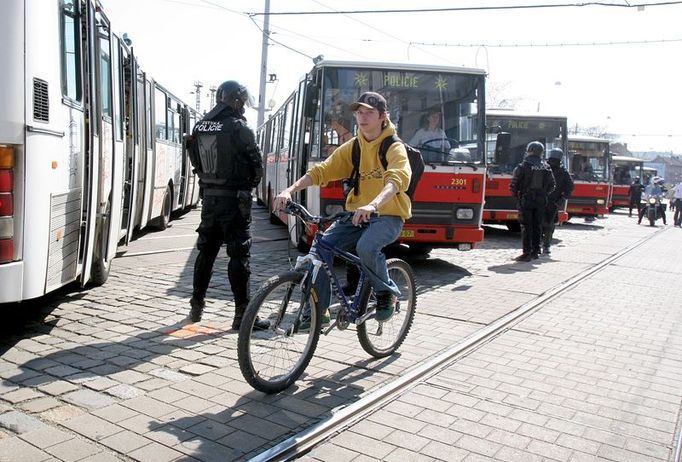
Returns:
(296,209)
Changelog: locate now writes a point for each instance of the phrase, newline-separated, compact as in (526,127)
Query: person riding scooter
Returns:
(652,198)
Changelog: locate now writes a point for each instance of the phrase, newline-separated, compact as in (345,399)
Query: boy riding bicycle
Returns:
(377,200)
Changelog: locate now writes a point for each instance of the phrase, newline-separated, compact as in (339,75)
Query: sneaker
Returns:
(196,310)
(304,326)
(258,325)
(535,255)
(546,251)
(523,257)
(385,306)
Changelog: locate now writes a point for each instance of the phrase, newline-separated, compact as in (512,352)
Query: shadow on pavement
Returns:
(254,422)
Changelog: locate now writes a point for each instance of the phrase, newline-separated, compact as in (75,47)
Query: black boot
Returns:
(197,309)
(239,314)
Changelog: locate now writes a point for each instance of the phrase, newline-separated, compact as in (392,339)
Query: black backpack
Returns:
(414,156)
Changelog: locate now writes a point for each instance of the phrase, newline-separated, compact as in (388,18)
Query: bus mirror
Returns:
(310,103)
(502,148)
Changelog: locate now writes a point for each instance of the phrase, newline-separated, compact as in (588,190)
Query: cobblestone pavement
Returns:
(115,373)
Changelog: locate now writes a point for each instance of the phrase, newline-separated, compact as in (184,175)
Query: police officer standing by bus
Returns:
(228,161)
(556,199)
(531,183)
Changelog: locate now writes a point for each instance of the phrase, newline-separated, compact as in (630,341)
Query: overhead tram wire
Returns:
(471,8)
(394,37)
(544,45)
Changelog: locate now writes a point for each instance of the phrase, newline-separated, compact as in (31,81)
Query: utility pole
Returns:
(212,89)
(263,64)
(197,93)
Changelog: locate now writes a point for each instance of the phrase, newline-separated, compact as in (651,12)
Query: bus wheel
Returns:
(101,265)
(164,219)
(513,226)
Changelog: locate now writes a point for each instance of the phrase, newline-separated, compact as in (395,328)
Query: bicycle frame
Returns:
(324,257)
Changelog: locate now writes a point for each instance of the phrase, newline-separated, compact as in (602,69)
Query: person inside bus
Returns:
(430,136)
(229,165)
(337,127)
(531,183)
(377,201)
(656,190)
(584,170)
(557,198)
(635,194)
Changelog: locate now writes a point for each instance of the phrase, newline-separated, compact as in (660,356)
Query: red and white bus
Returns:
(625,170)
(90,147)
(590,166)
(500,207)
(316,118)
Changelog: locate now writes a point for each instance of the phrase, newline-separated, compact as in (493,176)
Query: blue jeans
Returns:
(366,243)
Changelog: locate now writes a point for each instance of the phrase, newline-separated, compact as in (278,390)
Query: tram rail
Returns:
(344,417)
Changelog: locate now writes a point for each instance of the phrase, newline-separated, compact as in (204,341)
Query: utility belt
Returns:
(224,192)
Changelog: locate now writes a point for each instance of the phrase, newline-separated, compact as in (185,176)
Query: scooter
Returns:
(653,210)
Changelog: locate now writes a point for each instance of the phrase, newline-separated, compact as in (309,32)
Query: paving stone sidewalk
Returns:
(593,375)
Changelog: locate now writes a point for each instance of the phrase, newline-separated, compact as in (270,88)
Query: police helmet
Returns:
(555,153)
(535,147)
(234,95)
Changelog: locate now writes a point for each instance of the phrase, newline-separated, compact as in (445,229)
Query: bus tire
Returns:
(100,266)
(167,205)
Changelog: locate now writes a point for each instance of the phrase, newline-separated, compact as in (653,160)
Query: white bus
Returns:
(90,147)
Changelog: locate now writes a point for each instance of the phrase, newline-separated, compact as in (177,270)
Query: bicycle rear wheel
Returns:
(382,338)
(271,360)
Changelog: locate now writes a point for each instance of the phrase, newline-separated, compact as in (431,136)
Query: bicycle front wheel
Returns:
(272,359)
(382,338)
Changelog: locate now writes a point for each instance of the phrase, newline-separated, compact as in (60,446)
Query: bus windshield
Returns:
(549,132)
(589,160)
(625,172)
(436,112)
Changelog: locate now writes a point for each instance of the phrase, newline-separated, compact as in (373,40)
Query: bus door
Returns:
(146,153)
(92,169)
(131,142)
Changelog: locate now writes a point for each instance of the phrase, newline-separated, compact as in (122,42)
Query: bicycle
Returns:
(273,359)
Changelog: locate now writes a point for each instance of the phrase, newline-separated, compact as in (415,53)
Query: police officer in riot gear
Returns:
(531,183)
(228,161)
(556,199)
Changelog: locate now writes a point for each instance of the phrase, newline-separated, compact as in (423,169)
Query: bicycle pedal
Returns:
(330,328)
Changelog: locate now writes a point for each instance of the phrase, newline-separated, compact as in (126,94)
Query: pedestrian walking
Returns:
(228,161)
(557,198)
(677,203)
(531,183)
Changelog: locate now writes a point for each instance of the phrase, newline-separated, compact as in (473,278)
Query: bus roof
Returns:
(499,112)
(627,160)
(400,66)
(587,139)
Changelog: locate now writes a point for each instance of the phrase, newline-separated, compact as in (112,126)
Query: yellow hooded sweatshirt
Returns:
(373,177)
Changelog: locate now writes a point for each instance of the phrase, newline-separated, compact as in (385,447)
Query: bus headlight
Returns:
(600,201)
(465,214)
(332,209)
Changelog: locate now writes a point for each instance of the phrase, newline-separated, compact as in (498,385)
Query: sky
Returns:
(597,72)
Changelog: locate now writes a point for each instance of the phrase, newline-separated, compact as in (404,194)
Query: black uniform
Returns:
(555,200)
(229,164)
(531,184)
(636,189)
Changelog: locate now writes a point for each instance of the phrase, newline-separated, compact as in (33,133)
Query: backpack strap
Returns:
(383,149)
(355,173)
